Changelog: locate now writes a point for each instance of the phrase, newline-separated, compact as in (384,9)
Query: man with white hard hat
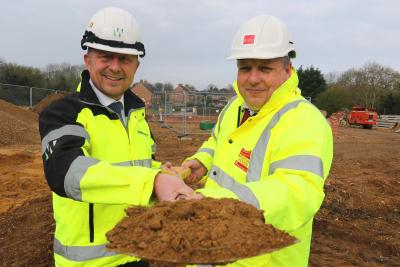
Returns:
(97,147)
(270,147)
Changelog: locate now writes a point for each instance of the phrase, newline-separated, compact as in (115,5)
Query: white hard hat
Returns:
(262,37)
(115,30)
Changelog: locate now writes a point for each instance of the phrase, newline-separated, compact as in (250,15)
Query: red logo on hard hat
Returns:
(249,39)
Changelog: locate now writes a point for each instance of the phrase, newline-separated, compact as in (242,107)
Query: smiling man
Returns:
(270,147)
(258,79)
(97,147)
(112,72)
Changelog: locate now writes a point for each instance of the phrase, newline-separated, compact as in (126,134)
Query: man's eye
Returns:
(125,59)
(264,69)
(244,68)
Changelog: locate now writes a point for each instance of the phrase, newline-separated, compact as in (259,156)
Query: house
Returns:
(184,93)
(145,91)
(218,98)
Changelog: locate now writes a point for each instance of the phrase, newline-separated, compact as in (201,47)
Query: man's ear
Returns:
(86,59)
(289,69)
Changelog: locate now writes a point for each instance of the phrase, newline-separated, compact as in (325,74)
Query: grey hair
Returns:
(286,61)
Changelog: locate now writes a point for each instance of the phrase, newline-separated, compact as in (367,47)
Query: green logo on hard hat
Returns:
(118,32)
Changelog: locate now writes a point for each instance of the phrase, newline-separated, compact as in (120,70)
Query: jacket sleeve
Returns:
(72,172)
(291,189)
(205,153)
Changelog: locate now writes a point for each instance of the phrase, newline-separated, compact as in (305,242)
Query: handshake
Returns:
(172,183)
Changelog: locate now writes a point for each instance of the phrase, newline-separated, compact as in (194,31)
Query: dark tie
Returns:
(246,115)
(116,107)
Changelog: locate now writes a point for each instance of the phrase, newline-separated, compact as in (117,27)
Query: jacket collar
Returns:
(283,94)
(86,93)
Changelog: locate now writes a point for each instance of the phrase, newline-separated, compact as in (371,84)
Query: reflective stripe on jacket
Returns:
(96,167)
(277,161)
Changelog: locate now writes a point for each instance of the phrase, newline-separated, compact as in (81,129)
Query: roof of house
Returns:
(147,85)
(187,87)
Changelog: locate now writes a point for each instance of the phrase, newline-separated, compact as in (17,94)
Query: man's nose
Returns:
(115,65)
(254,76)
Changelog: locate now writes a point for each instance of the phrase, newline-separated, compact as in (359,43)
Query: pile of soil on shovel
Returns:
(206,231)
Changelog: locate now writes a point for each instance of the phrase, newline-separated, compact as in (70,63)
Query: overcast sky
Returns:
(187,41)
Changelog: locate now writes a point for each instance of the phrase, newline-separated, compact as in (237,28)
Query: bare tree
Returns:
(369,83)
(63,76)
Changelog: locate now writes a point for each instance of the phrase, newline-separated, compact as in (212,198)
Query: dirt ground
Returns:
(358,224)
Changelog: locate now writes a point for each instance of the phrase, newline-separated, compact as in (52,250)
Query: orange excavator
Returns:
(362,116)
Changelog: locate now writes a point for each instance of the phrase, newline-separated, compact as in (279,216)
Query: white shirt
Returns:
(106,100)
(252,112)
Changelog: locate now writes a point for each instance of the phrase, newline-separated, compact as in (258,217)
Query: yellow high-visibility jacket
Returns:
(277,161)
(96,167)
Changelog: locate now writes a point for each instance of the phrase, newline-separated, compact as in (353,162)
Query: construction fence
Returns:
(24,95)
(187,113)
(183,113)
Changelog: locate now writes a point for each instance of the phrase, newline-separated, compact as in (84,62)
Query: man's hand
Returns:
(195,196)
(198,170)
(180,172)
(170,188)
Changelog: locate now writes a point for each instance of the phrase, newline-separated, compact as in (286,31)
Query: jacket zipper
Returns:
(91,223)
(238,117)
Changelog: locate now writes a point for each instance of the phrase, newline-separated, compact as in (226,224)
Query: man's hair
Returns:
(286,61)
(90,49)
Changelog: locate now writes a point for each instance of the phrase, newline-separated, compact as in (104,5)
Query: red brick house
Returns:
(177,97)
(145,91)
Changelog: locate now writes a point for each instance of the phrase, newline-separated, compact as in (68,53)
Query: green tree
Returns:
(212,88)
(311,82)
(390,104)
(20,75)
(169,87)
(159,86)
(335,98)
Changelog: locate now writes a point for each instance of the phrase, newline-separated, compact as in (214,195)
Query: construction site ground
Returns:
(357,225)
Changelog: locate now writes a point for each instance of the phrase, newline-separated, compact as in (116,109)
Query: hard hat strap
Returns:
(90,37)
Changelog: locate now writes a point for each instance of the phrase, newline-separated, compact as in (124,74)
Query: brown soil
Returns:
(172,148)
(17,125)
(47,101)
(358,224)
(26,234)
(21,176)
(206,231)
